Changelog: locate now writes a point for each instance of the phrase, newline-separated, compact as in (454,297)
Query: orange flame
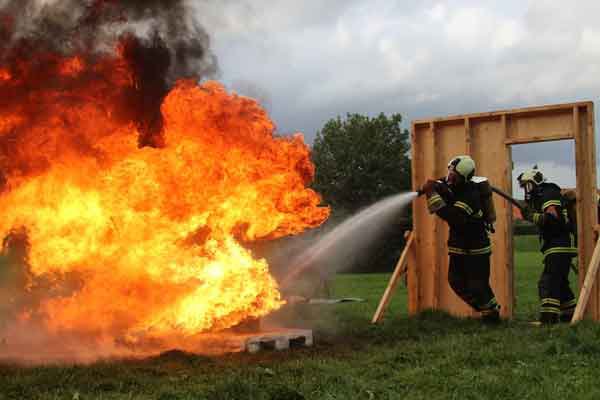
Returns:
(151,237)
(71,66)
(5,75)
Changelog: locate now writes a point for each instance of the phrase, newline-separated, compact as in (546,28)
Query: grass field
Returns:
(433,356)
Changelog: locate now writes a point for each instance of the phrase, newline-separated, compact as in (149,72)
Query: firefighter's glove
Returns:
(434,201)
(444,190)
(527,213)
(429,187)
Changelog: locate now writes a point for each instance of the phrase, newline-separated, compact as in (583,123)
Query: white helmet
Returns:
(464,166)
(530,180)
(533,175)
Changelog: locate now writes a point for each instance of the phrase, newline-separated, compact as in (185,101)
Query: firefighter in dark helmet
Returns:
(457,200)
(546,208)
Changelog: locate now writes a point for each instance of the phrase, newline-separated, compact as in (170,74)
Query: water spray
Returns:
(349,239)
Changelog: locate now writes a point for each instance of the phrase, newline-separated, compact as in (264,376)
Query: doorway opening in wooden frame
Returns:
(556,161)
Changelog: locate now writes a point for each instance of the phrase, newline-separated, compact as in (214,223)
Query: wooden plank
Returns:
(507,112)
(424,223)
(413,272)
(579,166)
(398,272)
(414,278)
(436,228)
(492,158)
(539,126)
(451,140)
(587,121)
(585,163)
(468,136)
(455,139)
(586,289)
(506,216)
(539,138)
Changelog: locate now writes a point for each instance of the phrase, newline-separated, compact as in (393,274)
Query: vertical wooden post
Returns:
(468,136)
(436,232)
(469,151)
(506,185)
(585,160)
(588,122)
(579,191)
(588,284)
(414,274)
(398,272)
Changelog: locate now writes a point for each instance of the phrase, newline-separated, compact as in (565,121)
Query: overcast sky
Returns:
(311,60)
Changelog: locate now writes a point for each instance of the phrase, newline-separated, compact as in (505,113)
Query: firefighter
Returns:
(546,209)
(456,200)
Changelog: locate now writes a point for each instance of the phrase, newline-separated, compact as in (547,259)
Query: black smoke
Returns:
(160,41)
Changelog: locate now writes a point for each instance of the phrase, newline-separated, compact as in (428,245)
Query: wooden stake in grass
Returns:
(398,272)
(588,283)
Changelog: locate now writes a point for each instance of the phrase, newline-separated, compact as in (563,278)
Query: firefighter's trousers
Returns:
(469,277)
(556,297)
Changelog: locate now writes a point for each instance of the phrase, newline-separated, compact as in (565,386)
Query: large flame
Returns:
(148,239)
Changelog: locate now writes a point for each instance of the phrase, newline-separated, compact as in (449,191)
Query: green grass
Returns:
(433,356)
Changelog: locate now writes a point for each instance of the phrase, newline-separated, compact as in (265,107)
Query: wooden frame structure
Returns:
(487,137)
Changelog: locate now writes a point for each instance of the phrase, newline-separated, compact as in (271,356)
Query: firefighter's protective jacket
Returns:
(556,233)
(461,209)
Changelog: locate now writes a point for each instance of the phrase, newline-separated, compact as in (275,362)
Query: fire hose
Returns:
(508,198)
(499,192)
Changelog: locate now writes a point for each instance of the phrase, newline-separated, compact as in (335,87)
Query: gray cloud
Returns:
(315,60)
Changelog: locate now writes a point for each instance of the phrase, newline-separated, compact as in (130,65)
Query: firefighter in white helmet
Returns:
(547,209)
(456,199)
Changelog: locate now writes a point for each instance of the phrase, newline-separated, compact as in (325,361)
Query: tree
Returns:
(360,160)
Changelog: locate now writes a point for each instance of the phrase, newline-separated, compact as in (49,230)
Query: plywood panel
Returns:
(423,167)
(493,161)
(540,126)
(452,140)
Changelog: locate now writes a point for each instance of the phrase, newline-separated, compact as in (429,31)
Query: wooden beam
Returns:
(588,123)
(585,164)
(468,136)
(437,228)
(506,183)
(580,188)
(414,274)
(588,284)
(537,139)
(510,112)
(398,272)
